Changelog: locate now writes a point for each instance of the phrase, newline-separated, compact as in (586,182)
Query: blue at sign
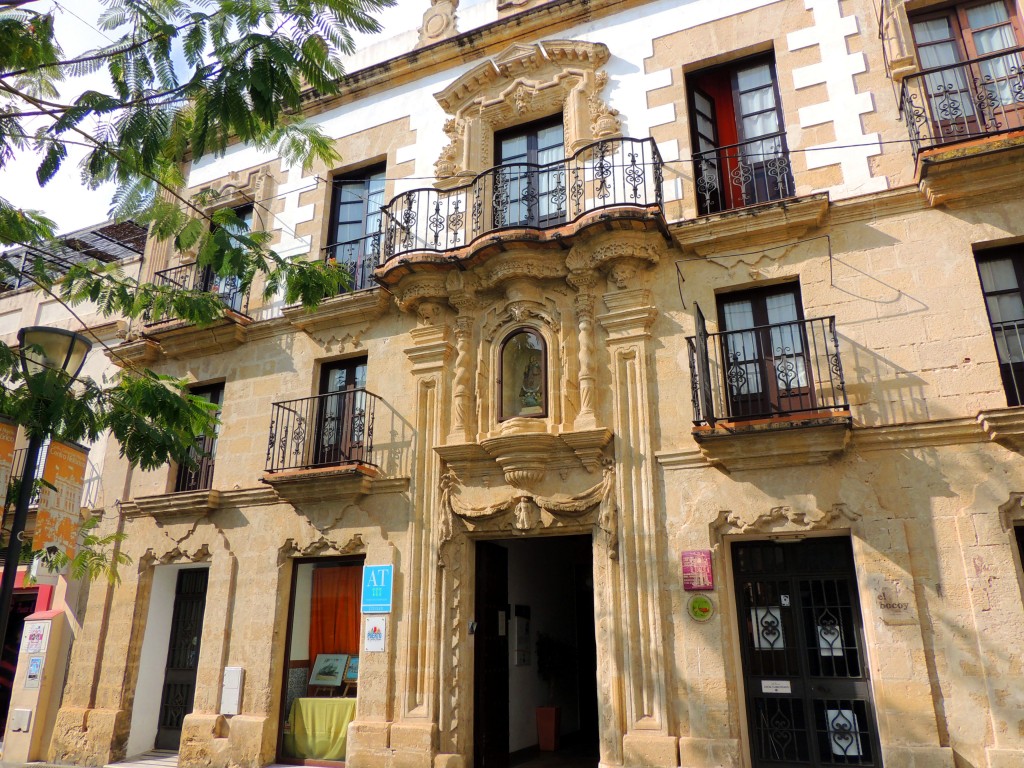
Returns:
(377,588)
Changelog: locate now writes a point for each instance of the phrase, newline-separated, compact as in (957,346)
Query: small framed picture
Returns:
(328,669)
(352,670)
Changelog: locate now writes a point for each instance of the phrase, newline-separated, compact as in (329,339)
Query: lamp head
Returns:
(52,349)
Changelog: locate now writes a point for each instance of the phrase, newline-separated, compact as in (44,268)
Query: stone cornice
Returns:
(178,339)
(341,310)
(919,435)
(1004,426)
(893,202)
(682,459)
(344,484)
(136,352)
(751,227)
(961,173)
(775,445)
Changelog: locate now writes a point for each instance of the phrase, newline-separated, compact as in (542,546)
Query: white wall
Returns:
(149,688)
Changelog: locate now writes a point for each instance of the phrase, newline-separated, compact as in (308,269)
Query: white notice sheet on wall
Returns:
(375,634)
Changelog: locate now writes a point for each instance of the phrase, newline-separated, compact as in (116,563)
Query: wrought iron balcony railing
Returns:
(322,431)
(198,476)
(192,277)
(359,257)
(959,102)
(614,172)
(766,372)
(740,175)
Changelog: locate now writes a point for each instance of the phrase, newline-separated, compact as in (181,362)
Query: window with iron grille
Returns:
(530,158)
(738,136)
(353,240)
(197,475)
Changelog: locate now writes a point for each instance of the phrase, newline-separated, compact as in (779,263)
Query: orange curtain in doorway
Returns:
(334,623)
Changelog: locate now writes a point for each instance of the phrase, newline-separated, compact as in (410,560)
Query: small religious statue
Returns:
(524,390)
(530,395)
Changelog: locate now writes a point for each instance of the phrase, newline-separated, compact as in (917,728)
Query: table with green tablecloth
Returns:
(318,728)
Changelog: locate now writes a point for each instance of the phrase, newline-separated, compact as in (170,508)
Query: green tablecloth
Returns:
(318,728)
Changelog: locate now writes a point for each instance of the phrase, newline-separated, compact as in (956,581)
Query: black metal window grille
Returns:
(613,173)
(1002,278)
(198,474)
(741,157)
(355,229)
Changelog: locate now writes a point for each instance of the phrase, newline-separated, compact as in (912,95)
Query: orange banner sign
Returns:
(8,434)
(60,507)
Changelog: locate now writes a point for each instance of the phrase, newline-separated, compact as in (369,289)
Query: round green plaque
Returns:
(700,608)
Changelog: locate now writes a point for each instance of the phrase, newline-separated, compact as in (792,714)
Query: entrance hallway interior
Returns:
(536,655)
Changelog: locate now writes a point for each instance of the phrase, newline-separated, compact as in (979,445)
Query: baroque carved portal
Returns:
(523,83)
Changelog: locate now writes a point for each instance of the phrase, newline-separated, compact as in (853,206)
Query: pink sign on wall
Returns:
(697,574)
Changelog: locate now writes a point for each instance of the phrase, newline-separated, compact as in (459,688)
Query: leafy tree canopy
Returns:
(186,78)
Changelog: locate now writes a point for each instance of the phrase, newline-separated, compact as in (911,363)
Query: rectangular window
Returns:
(739,136)
(1002,277)
(353,241)
(971,86)
(199,475)
(228,288)
(341,413)
(530,159)
(765,348)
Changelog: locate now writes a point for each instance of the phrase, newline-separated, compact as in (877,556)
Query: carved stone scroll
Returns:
(521,83)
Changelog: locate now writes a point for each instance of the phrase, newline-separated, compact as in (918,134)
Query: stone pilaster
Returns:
(647,675)
(414,733)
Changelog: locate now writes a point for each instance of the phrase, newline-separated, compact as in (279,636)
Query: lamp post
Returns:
(50,353)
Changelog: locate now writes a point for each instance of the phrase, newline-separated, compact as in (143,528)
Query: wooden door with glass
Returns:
(341,413)
(764,352)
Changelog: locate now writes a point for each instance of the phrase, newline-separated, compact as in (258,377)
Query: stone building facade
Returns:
(681,358)
(53,603)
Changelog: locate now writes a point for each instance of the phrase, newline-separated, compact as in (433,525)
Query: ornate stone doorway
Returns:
(535,681)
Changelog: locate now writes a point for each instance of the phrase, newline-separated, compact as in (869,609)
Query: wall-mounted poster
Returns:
(375,634)
(328,669)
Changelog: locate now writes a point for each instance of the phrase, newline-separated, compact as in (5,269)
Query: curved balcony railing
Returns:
(358,257)
(613,172)
(968,100)
(322,431)
(766,372)
(740,175)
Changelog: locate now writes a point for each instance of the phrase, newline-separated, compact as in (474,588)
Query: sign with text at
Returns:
(377,588)
(697,572)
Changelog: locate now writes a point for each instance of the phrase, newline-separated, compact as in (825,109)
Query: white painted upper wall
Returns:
(630,40)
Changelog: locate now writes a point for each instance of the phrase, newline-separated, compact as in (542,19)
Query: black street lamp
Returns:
(47,352)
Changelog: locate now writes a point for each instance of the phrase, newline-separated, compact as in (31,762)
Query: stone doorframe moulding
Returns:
(524,82)
(592,512)
(889,612)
